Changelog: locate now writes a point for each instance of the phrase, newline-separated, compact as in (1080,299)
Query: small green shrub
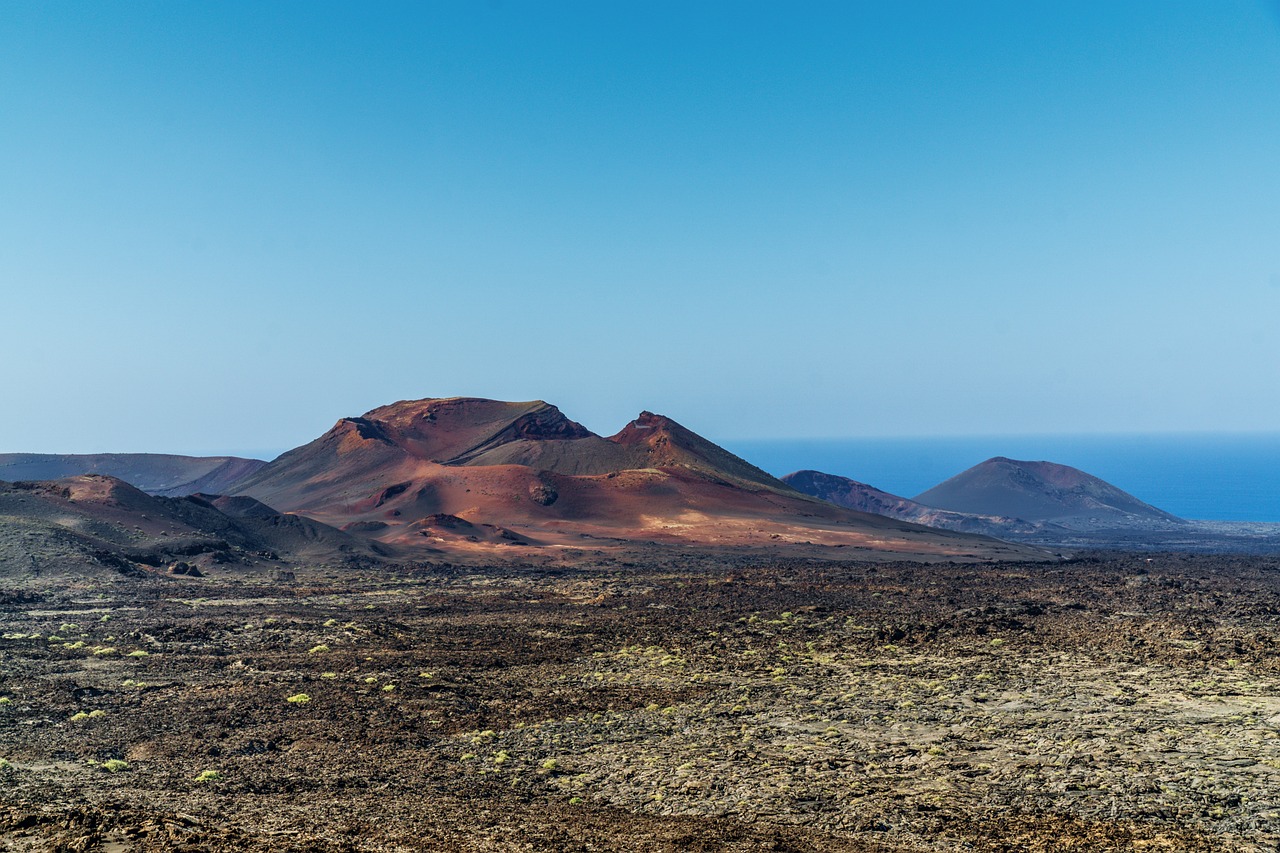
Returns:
(78,716)
(97,714)
(138,653)
(298,699)
(315,650)
(5,700)
(387,688)
(328,675)
(115,765)
(208,776)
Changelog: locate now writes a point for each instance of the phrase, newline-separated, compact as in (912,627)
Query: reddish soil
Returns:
(527,469)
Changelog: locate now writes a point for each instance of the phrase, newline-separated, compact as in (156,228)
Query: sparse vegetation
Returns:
(863,705)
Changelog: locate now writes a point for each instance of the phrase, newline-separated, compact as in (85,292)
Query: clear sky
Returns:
(225,225)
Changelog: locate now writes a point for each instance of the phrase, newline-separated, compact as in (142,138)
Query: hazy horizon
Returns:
(1214,476)
(269,453)
(228,225)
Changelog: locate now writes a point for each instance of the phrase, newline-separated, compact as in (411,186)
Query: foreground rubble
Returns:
(1116,703)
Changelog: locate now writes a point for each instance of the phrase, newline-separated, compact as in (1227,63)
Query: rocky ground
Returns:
(1108,703)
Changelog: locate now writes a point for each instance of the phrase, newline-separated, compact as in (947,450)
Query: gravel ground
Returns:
(1107,703)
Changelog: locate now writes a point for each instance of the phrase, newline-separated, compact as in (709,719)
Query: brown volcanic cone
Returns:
(661,442)
(1043,491)
(527,470)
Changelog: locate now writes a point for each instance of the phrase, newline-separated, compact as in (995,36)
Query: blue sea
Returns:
(1202,476)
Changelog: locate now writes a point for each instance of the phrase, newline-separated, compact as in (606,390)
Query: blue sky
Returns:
(225,225)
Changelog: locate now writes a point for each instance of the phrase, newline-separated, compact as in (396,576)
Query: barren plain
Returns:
(1104,703)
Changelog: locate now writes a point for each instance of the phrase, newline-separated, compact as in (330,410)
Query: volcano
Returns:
(486,474)
(1044,491)
(852,494)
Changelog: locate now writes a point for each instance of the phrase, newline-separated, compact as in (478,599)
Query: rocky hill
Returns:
(155,473)
(95,522)
(1044,491)
(417,473)
(845,492)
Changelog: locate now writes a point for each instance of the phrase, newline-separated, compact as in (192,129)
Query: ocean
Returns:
(1201,476)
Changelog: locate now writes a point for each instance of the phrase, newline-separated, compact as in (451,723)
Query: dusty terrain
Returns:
(681,704)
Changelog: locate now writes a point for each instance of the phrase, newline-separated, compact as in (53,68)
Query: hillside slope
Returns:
(852,494)
(1044,491)
(77,524)
(417,472)
(156,473)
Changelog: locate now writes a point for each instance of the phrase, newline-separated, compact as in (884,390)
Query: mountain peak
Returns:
(645,429)
(456,430)
(1041,491)
(527,468)
(852,494)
